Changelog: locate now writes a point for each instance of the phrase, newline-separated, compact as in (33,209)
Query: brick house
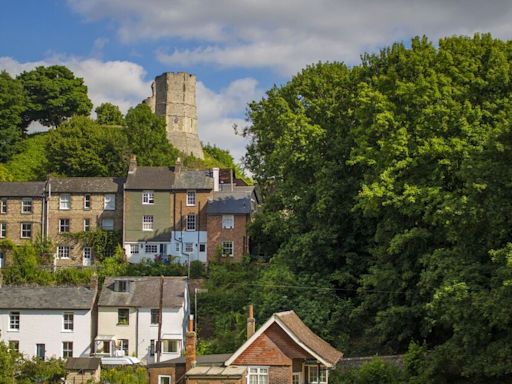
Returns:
(22,212)
(78,204)
(283,351)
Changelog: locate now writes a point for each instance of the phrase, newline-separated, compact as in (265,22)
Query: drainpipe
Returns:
(160,310)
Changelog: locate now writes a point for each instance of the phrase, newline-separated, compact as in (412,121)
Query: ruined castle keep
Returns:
(174,98)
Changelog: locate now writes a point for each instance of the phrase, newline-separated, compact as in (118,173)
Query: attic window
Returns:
(121,286)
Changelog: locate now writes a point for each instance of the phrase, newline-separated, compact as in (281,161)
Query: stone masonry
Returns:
(174,98)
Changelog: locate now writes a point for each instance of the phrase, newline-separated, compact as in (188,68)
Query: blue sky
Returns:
(237,48)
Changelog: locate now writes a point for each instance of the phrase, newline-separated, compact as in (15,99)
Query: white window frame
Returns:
(65,201)
(87,201)
(64,225)
(24,230)
(261,373)
(147,222)
(151,248)
(14,345)
(3,230)
(154,312)
(148,197)
(68,321)
(134,249)
(191,222)
(177,247)
(160,381)
(228,221)
(63,251)
(107,227)
(225,246)
(66,350)
(109,202)
(168,343)
(87,225)
(14,321)
(188,248)
(191,198)
(3,206)
(26,205)
(120,321)
(87,253)
(124,345)
(319,379)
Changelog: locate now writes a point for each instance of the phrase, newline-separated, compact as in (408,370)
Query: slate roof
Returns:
(204,360)
(144,292)
(191,179)
(229,203)
(37,297)
(87,184)
(22,189)
(308,337)
(155,178)
(82,363)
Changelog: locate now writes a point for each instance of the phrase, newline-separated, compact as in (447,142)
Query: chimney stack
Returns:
(177,167)
(215,173)
(251,323)
(190,348)
(133,164)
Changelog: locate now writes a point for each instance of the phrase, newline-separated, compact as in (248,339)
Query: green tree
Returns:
(9,364)
(147,137)
(49,371)
(109,114)
(12,105)
(81,147)
(53,94)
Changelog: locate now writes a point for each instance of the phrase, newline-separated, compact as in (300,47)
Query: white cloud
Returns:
(122,83)
(287,35)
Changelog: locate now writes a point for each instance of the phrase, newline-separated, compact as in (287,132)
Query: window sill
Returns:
(67,331)
(13,330)
(122,325)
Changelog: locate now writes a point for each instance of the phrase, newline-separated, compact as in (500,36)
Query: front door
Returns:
(87,257)
(40,351)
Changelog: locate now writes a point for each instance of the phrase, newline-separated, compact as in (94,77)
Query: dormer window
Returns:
(121,285)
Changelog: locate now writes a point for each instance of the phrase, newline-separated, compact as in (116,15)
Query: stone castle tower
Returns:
(174,97)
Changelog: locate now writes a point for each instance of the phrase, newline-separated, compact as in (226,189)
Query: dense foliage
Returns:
(389,182)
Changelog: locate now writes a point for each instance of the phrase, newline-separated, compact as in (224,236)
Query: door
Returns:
(87,257)
(1,259)
(40,351)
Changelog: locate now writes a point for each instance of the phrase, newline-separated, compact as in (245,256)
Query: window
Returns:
(65,201)
(257,375)
(152,347)
(191,222)
(68,321)
(148,197)
(63,252)
(109,202)
(121,285)
(123,316)
(107,224)
(26,230)
(63,225)
(40,351)
(26,205)
(170,346)
(155,315)
(134,249)
(67,349)
(87,201)
(313,374)
(3,230)
(227,248)
(87,253)
(14,345)
(228,221)
(151,248)
(164,379)
(147,223)
(14,321)
(3,206)
(87,225)
(296,378)
(189,247)
(123,346)
(202,247)
(191,198)
(177,247)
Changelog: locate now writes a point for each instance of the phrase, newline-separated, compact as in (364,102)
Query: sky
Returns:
(238,49)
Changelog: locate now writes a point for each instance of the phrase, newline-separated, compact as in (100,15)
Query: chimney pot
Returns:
(133,163)
(190,347)
(177,167)
(251,323)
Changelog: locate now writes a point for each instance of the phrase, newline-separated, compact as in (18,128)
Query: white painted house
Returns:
(129,321)
(47,321)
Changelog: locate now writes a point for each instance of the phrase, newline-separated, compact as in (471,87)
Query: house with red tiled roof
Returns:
(283,351)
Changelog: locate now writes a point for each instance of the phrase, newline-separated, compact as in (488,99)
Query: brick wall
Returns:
(217,234)
(199,209)
(166,371)
(280,375)
(76,215)
(263,351)
(14,218)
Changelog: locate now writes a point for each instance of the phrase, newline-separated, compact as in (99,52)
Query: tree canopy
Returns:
(12,105)
(109,114)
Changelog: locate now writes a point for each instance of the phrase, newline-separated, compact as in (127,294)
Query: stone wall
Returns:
(14,218)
